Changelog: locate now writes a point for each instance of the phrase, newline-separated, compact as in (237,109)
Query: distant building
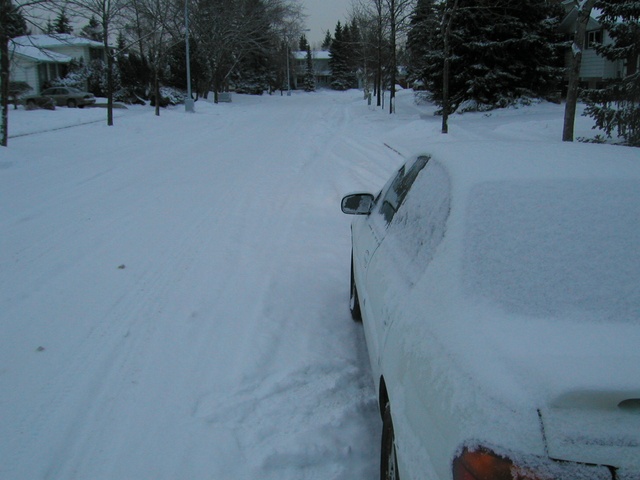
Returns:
(321,70)
(595,69)
(38,59)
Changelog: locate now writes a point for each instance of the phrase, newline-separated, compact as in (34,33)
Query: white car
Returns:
(499,289)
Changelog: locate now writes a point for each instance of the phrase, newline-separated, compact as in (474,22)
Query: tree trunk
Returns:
(394,67)
(4,86)
(105,32)
(574,71)
(5,8)
(156,86)
(447,21)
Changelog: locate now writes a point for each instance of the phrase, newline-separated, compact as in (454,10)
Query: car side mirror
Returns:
(357,204)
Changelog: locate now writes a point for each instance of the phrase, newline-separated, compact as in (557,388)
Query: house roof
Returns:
(36,54)
(568,22)
(57,40)
(317,54)
(38,48)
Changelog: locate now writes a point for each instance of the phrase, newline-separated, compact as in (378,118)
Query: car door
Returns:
(372,277)
(58,96)
(411,243)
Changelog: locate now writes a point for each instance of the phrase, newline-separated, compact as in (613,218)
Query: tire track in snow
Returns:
(255,307)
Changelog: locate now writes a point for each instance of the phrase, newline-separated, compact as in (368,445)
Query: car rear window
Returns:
(556,247)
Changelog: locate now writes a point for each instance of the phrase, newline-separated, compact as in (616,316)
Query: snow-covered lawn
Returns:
(174,289)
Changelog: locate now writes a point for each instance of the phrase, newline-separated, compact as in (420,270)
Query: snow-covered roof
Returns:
(568,22)
(57,40)
(315,54)
(38,54)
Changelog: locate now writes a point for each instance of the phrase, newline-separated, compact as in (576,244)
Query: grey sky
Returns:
(322,15)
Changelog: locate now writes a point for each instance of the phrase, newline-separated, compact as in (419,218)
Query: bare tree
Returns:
(399,12)
(366,47)
(384,25)
(107,12)
(158,25)
(375,29)
(584,13)
(227,31)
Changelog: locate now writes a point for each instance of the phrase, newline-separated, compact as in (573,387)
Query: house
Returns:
(38,59)
(321,69)
(595,69)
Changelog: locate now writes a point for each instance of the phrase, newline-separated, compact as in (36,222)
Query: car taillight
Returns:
(483,464)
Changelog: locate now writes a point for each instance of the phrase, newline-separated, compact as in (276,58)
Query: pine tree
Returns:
(309,75)
(423,28)
(253,73)
(92,30)
(303,45)
(62,23)
(616,107)
(343,61)
(500,52)
(326,43)
(338,61)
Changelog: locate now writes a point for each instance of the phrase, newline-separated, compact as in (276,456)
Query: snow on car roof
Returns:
(475,162)
(537,275)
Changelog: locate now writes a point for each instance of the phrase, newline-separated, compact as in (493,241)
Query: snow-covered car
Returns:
(499,290)
(62,96)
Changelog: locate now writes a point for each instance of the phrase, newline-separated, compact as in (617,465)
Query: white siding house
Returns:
(37,59)
(594,68)
(321,70)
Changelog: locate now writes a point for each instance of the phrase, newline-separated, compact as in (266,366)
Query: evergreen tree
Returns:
(253,73)
(303,45)
(62,23)
(13,22)
(326,43)
(423,28)
(338,61)
(616,107)
(309,74)
(92,30)
(343,61)
(500,52)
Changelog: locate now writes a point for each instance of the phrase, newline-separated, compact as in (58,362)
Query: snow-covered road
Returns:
(174,296)
(174,290)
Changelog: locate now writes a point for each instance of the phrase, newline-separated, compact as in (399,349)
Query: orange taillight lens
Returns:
(483,464)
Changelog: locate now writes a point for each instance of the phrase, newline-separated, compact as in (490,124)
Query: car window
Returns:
(395,193)
(420,223)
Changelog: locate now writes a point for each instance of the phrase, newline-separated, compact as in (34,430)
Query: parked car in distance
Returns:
(62,96)
(35,102)
(499,290)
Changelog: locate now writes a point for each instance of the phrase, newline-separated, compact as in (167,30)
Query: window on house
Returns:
(593,38)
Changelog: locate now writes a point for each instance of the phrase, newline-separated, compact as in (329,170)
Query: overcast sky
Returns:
(322,15)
